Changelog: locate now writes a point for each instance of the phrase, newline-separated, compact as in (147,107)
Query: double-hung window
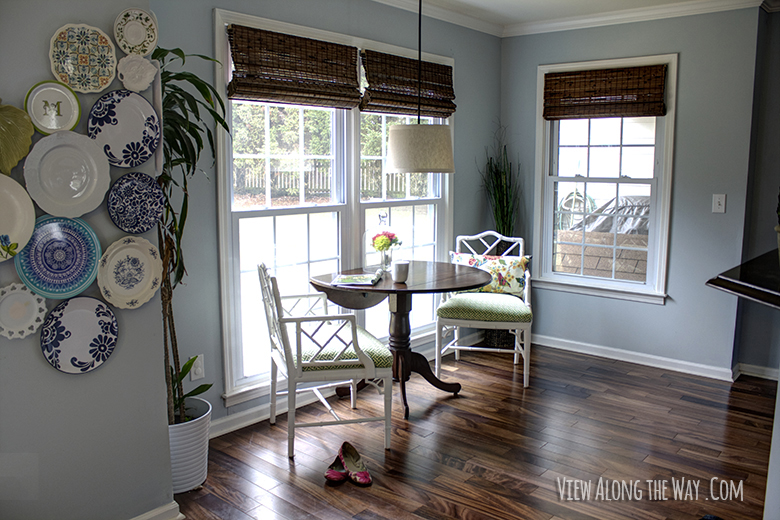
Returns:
(604,168)
(300,186)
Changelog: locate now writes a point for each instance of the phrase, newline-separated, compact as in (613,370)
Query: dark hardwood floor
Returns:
(499,451)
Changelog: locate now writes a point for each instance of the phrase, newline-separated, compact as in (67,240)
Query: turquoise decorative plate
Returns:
(61,258)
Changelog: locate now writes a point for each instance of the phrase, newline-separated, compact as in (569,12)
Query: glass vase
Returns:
(385,260)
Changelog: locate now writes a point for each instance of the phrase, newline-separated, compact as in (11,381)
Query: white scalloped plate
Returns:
(21,311)
(67,174)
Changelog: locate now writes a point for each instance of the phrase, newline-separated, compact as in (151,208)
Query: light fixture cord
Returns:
(419,63)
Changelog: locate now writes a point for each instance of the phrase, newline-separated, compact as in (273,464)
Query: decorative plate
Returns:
(82,57)
(16,131)
(79,335)
(126,127)
(61,259)
(136,32)
(66,174)
(135,203)
(17,217)
(130,272)
(21,311)
(52,106)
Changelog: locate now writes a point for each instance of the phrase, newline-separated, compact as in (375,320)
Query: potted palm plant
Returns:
(189,104)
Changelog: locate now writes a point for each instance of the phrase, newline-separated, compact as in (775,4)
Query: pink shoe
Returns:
(336,471)
(354,465)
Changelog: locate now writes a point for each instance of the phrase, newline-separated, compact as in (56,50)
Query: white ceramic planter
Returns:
(189,443)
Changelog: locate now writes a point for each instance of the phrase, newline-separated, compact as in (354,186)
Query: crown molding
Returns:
(643,14)
(771,6)
(446,15)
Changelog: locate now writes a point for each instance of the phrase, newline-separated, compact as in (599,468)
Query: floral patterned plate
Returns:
(126,127)
(79,335)
(66,174)
(136,32)
(17,217)
(61,258)
(83,58)
(21,311)
(130,272)
(135,203)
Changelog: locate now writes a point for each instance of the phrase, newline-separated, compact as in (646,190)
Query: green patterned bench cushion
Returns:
(372,347)
(485,307)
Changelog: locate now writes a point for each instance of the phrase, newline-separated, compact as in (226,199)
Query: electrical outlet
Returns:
(719,203)
(197,371)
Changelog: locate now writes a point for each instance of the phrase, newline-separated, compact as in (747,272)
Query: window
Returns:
(301,187)
(604,196)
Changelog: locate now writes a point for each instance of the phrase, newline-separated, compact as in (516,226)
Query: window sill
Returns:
(641,296)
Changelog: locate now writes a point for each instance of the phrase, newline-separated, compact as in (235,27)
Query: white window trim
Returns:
(228,261)
(640,293)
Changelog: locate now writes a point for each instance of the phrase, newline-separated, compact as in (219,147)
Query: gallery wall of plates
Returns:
(67,174)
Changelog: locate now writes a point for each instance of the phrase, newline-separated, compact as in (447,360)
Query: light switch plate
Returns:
(719,203)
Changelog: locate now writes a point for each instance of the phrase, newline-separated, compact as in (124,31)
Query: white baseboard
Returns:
(755,371)
(166,512)
(239,420)
(723,374)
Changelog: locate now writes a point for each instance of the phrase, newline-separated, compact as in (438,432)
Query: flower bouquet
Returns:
(383,242)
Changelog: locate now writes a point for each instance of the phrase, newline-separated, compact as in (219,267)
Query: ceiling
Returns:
(518,17)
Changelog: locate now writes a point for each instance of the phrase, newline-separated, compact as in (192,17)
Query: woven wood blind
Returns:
(281,68)
(393,86)
(626,92)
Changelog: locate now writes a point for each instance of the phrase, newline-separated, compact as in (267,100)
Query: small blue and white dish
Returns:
(135,203)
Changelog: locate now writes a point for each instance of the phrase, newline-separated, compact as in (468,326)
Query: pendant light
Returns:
(419,148)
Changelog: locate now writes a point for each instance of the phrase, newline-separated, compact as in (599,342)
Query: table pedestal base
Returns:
(404,360)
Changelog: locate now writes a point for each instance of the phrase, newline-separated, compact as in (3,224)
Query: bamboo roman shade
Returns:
(624,92)
(393,86)
(282,68)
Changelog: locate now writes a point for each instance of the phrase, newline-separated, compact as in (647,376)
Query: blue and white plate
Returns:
(135,203)
(79,335)
(130,272)
(126,127)
(61,258)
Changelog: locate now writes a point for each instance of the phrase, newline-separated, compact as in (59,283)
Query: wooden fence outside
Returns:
(249,178)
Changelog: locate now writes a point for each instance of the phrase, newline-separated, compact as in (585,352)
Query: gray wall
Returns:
(90,446)
(717,55)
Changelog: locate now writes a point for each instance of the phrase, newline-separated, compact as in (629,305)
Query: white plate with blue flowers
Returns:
(125,126)
(130,272)
(79,335)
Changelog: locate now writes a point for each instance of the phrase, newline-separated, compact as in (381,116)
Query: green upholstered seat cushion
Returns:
(485,307)
(372,347)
